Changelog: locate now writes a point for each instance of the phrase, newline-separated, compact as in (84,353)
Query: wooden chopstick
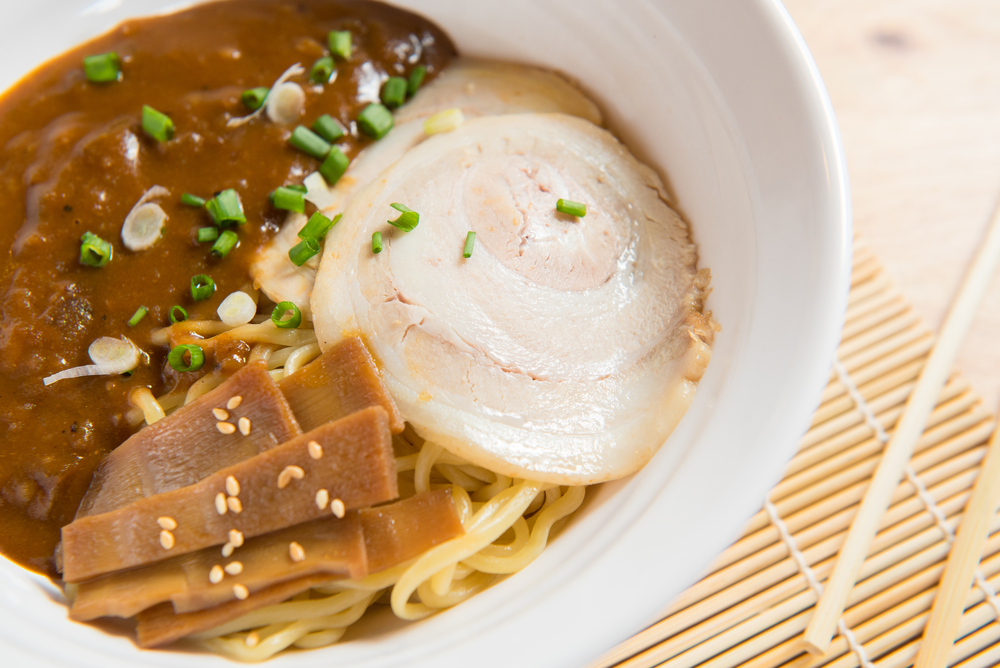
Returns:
(897,453)
(946,613)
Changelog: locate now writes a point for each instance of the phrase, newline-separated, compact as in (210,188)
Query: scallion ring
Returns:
(339,42)
(327,127)
(137,317)
(278,314)
(571,208)
(192,200)
(156,124)
(376,242)
(416,78)
(394,92)
(94,251)
(103,68)
(322,70)
(254,98)
(408,218)
(177,314)
(375,120)
(226,242)
(202,287)
(303,251)
(195,355)
(206,234)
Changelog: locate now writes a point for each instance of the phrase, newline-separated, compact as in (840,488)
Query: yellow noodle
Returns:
(144,400)
(458,592)
(291,611)
(456,476)
(266,332)
(521,534)
(493,523)
(300,357)
(567,504)
(262,351)
(425,460)
(488,492)
(206,383)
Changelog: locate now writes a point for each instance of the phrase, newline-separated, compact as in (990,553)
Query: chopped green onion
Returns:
(375,120)
(157,124)
(288,199)
(206,234)
(571,208)
(376,242)
(334,165)
(327,127)
(321,70)
(225,243)
(416,78)
(94,251)
(103,68)
(177,314)
(254,98)
(226,207)
(303,251)
(394,92)
(309,142)
(279,312)
(297,187)
(192,200)
(137,317)
(202,287)
(444,121)
(408,218)
(339,42)
(196,358)
(470,241)
(318,226)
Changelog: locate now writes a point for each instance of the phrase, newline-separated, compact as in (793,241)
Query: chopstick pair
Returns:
(964,556)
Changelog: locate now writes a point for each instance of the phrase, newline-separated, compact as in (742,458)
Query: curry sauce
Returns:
(73,159)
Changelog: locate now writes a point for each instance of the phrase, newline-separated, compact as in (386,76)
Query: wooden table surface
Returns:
(915,85)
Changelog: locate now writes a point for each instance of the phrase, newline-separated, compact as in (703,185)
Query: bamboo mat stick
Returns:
(958,459)
(821,628)
(946,614)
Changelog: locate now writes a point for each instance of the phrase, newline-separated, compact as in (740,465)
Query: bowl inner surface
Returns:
(726,104)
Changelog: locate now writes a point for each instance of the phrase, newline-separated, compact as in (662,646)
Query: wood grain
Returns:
(915,85)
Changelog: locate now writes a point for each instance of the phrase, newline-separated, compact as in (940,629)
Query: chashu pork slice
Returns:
(478,88)
(564,349)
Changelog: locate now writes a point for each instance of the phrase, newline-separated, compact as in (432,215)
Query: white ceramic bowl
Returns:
(724,100)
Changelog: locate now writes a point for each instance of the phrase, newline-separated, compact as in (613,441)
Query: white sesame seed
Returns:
(166,539)
(220,503)
(315,449)
(322,499)
(240,592)
(296,552)
(288,473)
(234,402)
(236,538)
(215,575)
(234,568)
(227,550)
(251,640)
(232,486)
(226,427)
(168,523)
(220,413)
(244,426)
(234,505)
(337,506)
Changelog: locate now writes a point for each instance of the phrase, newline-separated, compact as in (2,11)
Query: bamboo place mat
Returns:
(757,598)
